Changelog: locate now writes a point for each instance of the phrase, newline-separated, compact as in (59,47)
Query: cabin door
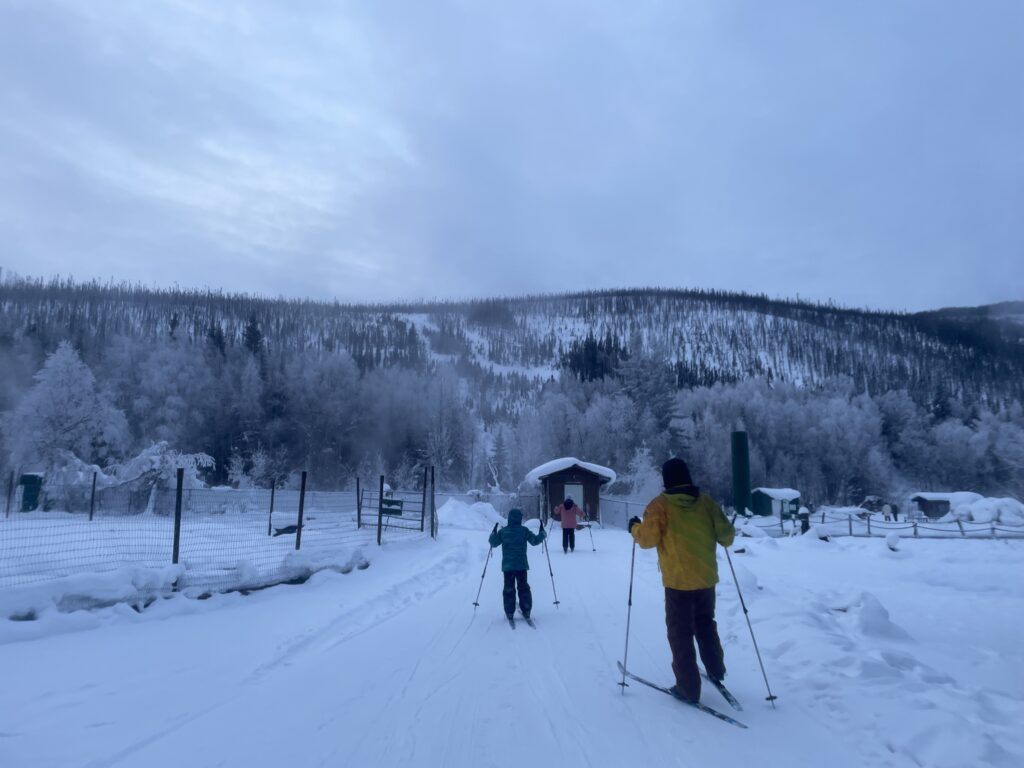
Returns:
(574,492)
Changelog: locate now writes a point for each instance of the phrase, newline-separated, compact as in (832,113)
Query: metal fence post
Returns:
(423,511)
(849,520)
(177,516)
(380,509)
(302,506)
(915,529)
(359,505)
(433,506)
(270,515)
(823,517)
(92,498)
(869,525)
(10,494)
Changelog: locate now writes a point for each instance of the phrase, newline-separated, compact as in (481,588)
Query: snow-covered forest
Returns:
(839,403)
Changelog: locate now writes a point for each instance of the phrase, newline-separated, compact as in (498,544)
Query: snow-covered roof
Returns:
(535,475)
(782,494)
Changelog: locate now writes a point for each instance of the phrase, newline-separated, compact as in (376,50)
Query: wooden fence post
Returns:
(960,525)
(869,525)
(849,521)
(177,516)
(302,506)
(915,529)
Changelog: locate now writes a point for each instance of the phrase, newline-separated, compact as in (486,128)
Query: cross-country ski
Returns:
(675,695)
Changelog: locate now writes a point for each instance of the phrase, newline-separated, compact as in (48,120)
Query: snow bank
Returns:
(747,528)
(533,477)
(983,510)
(132,584)
(477,516)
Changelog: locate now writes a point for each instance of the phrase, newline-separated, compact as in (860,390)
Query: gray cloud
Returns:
(867,154)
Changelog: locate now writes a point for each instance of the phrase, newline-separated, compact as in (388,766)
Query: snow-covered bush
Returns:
(157,466)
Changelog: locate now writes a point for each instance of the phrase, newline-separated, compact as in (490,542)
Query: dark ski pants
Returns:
(517,580)
(689,615)
(568,539)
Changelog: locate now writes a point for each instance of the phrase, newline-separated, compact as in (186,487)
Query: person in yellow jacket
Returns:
(686,526)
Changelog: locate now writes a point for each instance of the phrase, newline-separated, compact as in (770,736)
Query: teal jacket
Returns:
(513,539)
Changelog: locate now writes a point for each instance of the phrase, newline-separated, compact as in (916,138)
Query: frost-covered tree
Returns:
(643,476)
(64,413)
(157,467)
(499,459)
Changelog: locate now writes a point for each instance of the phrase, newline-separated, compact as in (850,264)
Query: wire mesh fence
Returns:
(865,525)
(223,539)
(615,513)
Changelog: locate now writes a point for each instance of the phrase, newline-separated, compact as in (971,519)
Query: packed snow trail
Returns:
(391,666)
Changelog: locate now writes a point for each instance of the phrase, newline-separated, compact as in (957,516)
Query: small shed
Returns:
(937,505)
(784,502)
(569,476)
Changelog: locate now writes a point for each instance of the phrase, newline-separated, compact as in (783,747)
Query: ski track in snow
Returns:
(878,658)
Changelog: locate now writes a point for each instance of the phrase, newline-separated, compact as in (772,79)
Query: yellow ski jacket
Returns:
(685,529)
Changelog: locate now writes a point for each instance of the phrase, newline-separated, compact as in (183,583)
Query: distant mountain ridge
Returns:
(515,344)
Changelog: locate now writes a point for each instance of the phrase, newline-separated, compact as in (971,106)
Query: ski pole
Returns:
(629,613)
(771,697)
(590,530)
(476,603)
(550,571)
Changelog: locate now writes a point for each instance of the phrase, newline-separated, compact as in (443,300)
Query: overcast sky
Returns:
(871,153)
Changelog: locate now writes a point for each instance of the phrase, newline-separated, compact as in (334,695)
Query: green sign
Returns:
(391,506)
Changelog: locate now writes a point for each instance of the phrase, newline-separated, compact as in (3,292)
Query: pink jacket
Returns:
(568,515)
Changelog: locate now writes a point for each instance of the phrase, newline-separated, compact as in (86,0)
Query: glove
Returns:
(633,521)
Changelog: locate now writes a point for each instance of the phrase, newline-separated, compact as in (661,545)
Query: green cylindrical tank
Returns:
(32,487)
(740,472)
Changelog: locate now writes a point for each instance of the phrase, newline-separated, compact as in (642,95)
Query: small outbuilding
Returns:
(783,502)
(580,480)
(937,505)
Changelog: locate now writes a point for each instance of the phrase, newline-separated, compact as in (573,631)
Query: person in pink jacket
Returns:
(567,512)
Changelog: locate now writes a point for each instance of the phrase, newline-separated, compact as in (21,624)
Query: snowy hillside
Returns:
(879,658)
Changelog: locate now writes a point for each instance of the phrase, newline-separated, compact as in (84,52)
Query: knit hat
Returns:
(675,473)
(568,502)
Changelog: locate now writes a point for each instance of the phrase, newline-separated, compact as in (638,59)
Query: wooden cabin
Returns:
(569,477)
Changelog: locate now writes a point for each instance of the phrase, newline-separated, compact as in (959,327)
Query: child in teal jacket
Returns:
(513,539)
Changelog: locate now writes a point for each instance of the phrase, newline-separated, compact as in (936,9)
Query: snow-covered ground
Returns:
(879,658)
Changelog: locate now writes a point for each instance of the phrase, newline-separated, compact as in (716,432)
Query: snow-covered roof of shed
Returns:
(535,475)
(782,494)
